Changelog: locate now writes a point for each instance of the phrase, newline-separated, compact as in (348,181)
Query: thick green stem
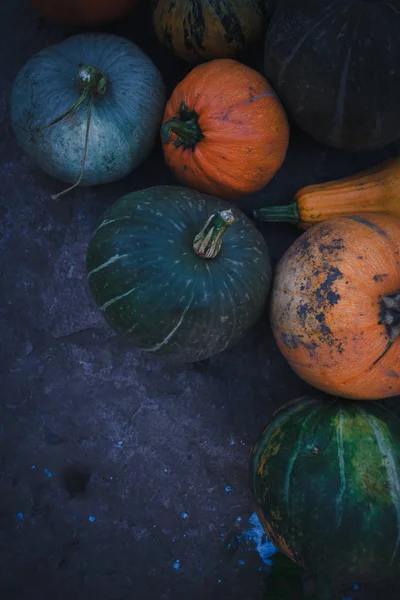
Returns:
(208,242)
(288,213)
(92,79)
(390,314)
(186,128)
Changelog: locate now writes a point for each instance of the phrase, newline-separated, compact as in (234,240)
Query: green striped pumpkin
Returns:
(325,477)
(198,30)
(182,274)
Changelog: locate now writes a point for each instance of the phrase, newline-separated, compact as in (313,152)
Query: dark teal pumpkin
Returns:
(336,68)
(169,299)
(117,96)
(326,480)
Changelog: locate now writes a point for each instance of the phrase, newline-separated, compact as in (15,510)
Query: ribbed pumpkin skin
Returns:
(198,30)
(326,306)
(153,288)
(326,480)
(245,129)
(336,68)
(124,122)
(82,13)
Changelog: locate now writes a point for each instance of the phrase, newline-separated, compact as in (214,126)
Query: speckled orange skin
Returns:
(246,133)
(326,306)
(82,13)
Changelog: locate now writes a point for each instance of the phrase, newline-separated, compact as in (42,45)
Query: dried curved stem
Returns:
(88,119)
(69,112)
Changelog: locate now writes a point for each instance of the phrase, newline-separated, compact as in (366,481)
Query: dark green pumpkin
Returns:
(336,68)
(155,289)
(326,480)
(198,30)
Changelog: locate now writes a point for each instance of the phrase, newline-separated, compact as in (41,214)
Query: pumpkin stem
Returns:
(186,128)
(89,115)
(67,113)
(90,80)
(208,242)
(390,314)
(288,213)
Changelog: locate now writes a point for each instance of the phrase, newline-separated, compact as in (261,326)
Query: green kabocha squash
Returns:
(336,68)
(182,274)
(87,110)
(198,30)
(325,476)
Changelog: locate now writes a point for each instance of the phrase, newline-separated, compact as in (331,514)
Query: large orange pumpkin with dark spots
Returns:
(336,306)
(224,130)
(82,13)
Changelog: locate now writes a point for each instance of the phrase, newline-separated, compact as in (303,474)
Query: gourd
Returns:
(325,477)
(87,110)
(180,273)
(198,30)
(374,190)
(224,130)
(336,68)
(86,13)
(335,306)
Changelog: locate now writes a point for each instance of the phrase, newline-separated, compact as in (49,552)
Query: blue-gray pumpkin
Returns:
(182,274)
(88,109)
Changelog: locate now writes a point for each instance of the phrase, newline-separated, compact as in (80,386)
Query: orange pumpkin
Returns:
(82,13)
(336,306)
(224,130)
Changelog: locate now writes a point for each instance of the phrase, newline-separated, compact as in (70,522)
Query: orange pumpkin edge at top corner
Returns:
(225,131)
(82,13)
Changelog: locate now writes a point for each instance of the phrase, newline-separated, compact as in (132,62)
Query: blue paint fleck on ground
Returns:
(177,564)
(219,580)
(20,515)
(238,518)
(228,488)
(240,563)
(165,470)
(355,586)
(49,475)
(184,515)
(119,444)
(33,467)
(256,538)
(92,519)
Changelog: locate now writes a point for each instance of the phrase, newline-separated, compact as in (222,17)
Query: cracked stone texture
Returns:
(92,427)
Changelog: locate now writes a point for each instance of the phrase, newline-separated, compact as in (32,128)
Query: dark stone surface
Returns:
(91,427)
